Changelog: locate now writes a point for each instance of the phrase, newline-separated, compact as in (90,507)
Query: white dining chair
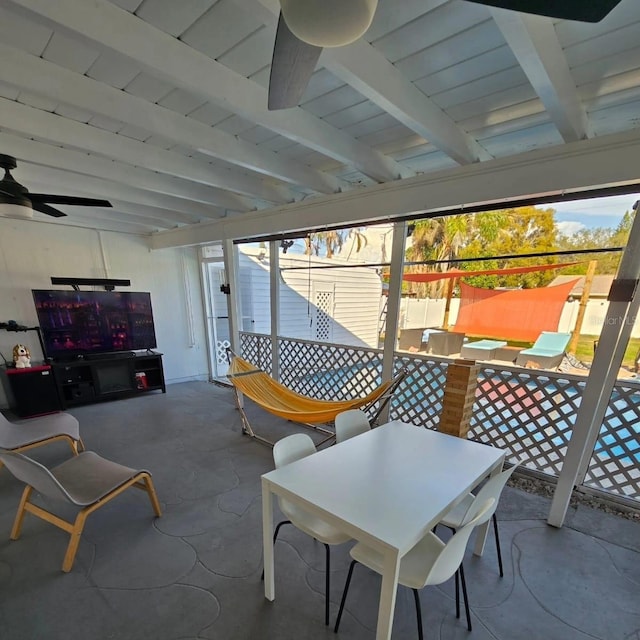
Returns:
(285,451)
(492,488)
(430,562)
(351,423)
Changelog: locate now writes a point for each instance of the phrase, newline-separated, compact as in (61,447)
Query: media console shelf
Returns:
(108,377)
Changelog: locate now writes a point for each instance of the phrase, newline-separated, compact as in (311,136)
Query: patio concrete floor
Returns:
(195,572)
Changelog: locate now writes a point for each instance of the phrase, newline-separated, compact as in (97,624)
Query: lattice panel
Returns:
(329,371)
(418,398)
(530,415)
(615,463)
(221,351)
(324,308)
(256,348)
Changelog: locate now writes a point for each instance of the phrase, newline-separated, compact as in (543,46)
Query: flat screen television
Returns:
(75,323)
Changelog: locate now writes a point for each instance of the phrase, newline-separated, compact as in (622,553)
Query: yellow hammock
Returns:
(281,401)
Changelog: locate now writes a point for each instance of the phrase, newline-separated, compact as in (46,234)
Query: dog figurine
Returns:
(21,356)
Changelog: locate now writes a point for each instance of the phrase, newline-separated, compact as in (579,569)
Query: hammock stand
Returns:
(274,397)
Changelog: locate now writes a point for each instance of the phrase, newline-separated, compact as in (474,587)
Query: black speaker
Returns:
(32,391)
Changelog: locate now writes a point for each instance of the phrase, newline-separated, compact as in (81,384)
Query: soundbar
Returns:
(108,283)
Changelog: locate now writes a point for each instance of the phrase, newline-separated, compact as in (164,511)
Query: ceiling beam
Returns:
(168,217)
(63,131)
(364,68)
(106,222)
(142,210)
(38,76)
(369,72)
(111,215)
(535,45)
(108,25)
(67,183)
(92,165)
(578,166)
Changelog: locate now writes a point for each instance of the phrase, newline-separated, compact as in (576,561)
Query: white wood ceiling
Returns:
(160,106)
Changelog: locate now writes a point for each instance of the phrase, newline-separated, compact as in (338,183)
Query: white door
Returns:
(217,318)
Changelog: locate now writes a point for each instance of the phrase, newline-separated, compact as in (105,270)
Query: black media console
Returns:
(108,376)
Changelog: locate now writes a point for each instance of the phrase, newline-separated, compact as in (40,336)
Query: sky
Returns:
(597,212)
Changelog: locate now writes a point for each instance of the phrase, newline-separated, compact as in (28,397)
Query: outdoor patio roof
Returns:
(163,112)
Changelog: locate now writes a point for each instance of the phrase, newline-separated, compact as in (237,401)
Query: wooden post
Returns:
(586,290)
(451,283)
(459,396)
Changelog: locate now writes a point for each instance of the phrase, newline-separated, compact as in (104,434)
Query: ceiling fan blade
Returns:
(46,209)
(580,10)
(73,200)
(291,67)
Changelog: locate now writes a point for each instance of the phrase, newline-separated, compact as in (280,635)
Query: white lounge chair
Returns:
(34,432)
(547,351)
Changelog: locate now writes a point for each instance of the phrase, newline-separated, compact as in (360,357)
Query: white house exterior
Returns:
(341,306)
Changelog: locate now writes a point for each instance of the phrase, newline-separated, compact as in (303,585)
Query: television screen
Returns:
(85,322)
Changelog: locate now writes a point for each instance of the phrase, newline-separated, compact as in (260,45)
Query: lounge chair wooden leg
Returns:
(17,525)
(77,446)
(72,548)
(153,496)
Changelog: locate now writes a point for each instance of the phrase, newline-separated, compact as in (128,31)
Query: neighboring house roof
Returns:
(599,286)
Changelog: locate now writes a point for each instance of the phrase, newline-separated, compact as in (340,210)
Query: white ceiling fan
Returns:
(305,27)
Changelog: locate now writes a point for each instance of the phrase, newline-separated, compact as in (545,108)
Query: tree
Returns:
(333,241)
(513,231)
(438,239)
(599,238)
(490,234)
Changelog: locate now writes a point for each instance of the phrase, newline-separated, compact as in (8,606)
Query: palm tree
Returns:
(333,241)
(438,239)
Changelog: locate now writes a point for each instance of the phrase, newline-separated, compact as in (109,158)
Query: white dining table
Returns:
(386,488)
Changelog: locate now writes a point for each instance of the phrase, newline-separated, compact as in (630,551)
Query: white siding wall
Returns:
(31,252)
(255,294)
(357,293)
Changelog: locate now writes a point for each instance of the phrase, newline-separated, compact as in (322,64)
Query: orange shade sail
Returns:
(515,314)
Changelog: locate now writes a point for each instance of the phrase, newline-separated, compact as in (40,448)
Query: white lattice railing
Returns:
(529,413)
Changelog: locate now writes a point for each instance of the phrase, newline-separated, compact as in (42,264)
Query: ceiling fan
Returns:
(17,202)
(305,27)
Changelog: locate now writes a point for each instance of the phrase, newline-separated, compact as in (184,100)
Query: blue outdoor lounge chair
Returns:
(547,351)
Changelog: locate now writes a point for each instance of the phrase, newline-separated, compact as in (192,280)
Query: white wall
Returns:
(421,312)
(594,318)
(31,252)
